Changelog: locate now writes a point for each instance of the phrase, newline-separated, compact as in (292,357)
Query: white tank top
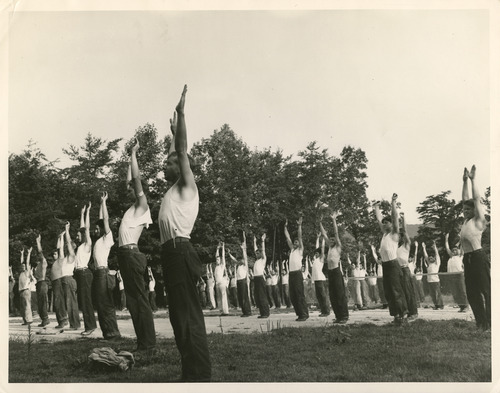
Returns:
(470,236)
(295,260)
(131,228)
(82,257)
(176,217)
(333,258)
(68,265)
(388,248)
(241,272)
(317,270)
(403,253)
(258,267)
(455,264)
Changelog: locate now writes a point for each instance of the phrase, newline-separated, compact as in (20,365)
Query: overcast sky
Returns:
(409,87)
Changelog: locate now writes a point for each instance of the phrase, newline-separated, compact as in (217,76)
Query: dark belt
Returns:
(130,247)
(79,269)
(101,267)
(176,240)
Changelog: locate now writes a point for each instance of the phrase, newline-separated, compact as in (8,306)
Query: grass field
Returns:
(424,351)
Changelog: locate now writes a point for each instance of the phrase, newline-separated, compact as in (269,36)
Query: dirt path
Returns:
(230,324)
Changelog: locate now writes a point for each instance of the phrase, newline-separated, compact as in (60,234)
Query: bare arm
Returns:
(478,206)
(88,240)
(416,251)
(244,250)
(105,216)
(364,261)
(323,250)
(406,238)
(71,250)
(424,250)
(28,262)
(465,186)
(186,181)
(223,255)
(336,229)
(316,246)
(299,233)
(61,245)
(378,214)
(374,252)
(324,234)
(438,258)
(447,244)
(255,244)
(82,217)
(264,246)
(394,214)
(287,236)
(141,203)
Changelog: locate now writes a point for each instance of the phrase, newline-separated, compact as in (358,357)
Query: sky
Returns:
(409,87)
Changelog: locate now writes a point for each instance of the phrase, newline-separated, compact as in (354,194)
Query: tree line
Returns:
(241,189)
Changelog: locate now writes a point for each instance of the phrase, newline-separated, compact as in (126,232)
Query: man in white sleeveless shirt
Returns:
(476,263)
(456,266)
(83,275)
(181,265)
(296,282)
(392,272)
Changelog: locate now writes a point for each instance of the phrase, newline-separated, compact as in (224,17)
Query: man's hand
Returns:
(173,124)
(472,173)
(180,106)
(136,146)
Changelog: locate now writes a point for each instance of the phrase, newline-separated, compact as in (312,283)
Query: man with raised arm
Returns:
(403,259)
(392,273)
(220,280)
(242,279)
(456,266)
(336,284)
(432,263)
(42,287)
(106,313)
(258,278)
(181,265)
(83,275)
(476,263)
(24,288)
(56,274)
(132,262)
(69,283)
(319,278)
(296,282)
(380,276)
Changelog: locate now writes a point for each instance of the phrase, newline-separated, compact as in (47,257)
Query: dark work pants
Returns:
(416,292)
(233,296)
(133,265)
(478,286)
(269,293)
(296,282)
(84,280)
(338,297)
(182,269)
(243,298)
(42,289)
(435,290)
(152,300)
(381,293)
(276,296)
(69,290)
(409,292)
(320,289)
(59,303)
(286,295)
(393,288)
(261,295)
(102,286)
(458,289)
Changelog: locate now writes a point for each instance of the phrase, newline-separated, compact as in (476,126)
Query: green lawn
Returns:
(424,351)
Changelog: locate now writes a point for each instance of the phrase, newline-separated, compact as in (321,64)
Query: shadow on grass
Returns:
(437,351)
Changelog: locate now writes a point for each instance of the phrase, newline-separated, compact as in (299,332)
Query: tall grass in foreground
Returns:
(425,351)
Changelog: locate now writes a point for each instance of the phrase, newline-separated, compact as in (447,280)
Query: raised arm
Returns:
(217,251)
(22,255)
(436,252)
(264,246)
(416,251)
(378,214)
(478,206)
(255,244)
(243,246)
(374,253)
(323,249)
(173,129)
(28,261)
(364,261)
(316,245)
(39,245)
(299,233)
(223,258)
(105,217)
(287,236)
(82,216)
(394,214)
(71,250)
(447,245)
(406,238)
(186,181)
(324,234)
(465,186)
(424,250)
(88,239)
(61,245)
(336,229)
(141,203)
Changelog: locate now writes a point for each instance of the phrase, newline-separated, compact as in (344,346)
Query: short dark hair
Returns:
(318,250)
(100,223)
(469,203)
(82,230)
(387,219)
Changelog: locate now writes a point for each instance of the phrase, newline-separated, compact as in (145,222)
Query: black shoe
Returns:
(245,315)
(263,316)
(26,323)
(323,315)
(87,332)
(224,315)
(61,326)
(112,338)
(385,305)
(73,328)
(302,319)
(43,324)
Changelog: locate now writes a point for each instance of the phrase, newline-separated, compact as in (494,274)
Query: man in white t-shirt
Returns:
(103,287)
(319,278)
